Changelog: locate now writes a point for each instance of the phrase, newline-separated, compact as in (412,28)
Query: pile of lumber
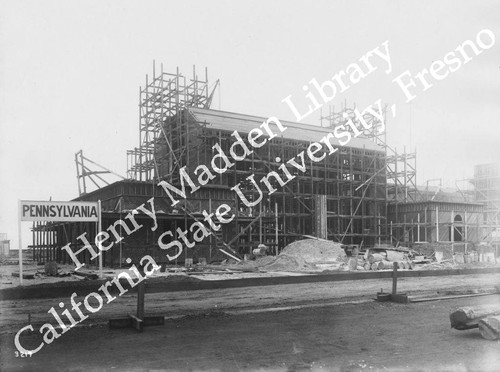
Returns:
(381,259)
(486,318)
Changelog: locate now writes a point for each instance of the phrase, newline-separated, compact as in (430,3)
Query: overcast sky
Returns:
(70,73)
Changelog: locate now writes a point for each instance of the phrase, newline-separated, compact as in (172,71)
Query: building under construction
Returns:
(362,194)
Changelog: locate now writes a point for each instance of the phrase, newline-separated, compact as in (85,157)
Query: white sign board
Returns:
(58,211)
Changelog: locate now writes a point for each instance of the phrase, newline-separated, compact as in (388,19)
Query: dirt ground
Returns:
(348,337)
(14,314)
(320,326)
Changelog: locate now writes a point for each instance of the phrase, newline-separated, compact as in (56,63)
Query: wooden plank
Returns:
(119,323)
(83,274)
(230,255)
(25,275)
(427,299)
(399,298)
(153,320)
(136,322)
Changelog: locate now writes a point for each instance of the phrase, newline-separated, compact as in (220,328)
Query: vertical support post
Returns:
(78,174)
(34,242)
(452,234)
(425,224)
(396,181)
(465,231)
(99,244)
(140,300)
(211,235)
(20,244)
(394,278)
(437,223)
(418,228)
(412,231)
(260,223)
(121,234)
(405,175)
(121,253)
(276,227)
(185,226)
(284,222)
(379,229)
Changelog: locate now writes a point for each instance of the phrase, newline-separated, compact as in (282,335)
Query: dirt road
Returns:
(350,337)
(14,314)
(241,329)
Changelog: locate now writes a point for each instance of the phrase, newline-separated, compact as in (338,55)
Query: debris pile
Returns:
(50,268)
(382,258)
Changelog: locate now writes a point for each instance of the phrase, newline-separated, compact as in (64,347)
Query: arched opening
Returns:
(457,230)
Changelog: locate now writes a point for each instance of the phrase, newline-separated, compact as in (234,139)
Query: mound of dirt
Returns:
(258,262)
(301,255)
(315,251)
(285,262)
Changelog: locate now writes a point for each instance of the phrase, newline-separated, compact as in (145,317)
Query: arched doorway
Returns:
(457,230)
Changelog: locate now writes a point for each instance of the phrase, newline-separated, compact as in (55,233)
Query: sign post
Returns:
(99,244)
(20,244)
